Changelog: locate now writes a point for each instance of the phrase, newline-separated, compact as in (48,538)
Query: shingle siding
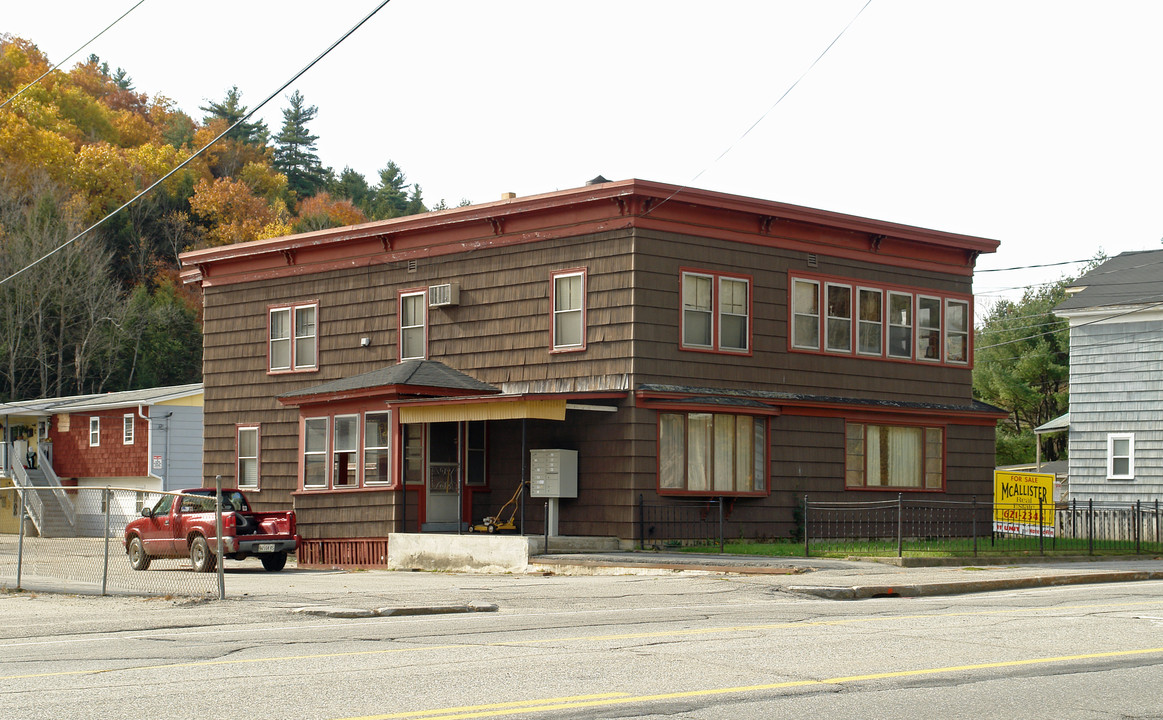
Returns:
(1116,386)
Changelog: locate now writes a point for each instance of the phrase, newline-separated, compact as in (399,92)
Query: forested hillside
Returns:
(107,312)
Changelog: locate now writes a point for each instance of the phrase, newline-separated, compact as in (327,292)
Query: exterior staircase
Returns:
(53,521)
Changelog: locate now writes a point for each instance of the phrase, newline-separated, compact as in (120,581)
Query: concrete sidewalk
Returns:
(875,577)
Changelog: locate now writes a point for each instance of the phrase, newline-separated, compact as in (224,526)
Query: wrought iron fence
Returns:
(911,526)
(87,555)
(917,526)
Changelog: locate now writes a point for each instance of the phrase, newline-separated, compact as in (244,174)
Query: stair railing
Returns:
(54,482)
(33,503)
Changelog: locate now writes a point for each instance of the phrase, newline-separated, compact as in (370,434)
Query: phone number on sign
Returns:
(1026,515)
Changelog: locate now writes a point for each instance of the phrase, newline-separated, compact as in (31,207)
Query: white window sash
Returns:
(127,429)
(1120,456)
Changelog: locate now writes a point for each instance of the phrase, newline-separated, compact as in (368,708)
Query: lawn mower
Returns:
(497,523)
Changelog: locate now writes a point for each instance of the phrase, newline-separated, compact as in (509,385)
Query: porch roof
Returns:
(413,376)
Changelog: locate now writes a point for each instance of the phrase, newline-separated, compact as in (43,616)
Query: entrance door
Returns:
(443,477)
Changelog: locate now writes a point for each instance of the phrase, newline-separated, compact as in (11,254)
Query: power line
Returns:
(1105,318)
(1030,267)
(765,113)
(62,62)
(201,150)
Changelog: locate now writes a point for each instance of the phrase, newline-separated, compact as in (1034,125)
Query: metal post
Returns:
(1156,520)
(641,522)
(806,553)
(1041,531)
(720,523)
(546,548)
(20,541)
(974,518)
(218,533)
(107,494)
(1138,525)
(900,541)
(1090,526)
(524,458)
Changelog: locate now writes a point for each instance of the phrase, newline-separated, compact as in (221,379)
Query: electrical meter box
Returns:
(553,473)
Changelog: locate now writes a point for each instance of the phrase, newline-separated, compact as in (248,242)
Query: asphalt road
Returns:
(682,646)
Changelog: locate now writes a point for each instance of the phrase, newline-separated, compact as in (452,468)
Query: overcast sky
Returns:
(1034,123)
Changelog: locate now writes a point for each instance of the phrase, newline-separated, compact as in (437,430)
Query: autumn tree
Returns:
(295,154)
(321,212)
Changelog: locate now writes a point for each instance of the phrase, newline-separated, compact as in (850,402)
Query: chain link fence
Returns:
(74,542)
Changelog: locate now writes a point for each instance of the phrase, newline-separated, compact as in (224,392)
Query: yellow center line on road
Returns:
(691,632)
(538,706)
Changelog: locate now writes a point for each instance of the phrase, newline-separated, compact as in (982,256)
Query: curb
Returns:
(341,612)
(863,592)
(580,567)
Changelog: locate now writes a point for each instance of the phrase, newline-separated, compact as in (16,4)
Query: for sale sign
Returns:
(1023,503)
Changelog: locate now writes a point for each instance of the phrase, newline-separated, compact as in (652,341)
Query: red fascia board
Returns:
(821,408)
(570,212)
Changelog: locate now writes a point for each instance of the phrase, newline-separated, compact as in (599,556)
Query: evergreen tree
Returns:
(232,110)
(295,154)
(352,185)
(390,198)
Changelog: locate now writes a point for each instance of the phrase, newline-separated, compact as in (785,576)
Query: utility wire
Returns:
(62,62)
(1105,318)
(201,150)
(765,113)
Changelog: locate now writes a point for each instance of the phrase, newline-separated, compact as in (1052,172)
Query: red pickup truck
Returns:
(184,524)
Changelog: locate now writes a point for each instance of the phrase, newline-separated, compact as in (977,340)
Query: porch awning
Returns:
(487,408)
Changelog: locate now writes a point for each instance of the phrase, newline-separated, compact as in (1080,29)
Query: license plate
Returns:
(266,547)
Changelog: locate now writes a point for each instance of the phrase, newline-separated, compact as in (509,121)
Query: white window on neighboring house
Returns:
(94,432)
(1120,456)
(127,429)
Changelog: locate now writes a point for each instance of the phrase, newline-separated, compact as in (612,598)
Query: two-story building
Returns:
(685,344)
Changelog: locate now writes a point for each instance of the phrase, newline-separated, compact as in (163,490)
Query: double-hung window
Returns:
(900,325)
(839,320)
(315,452)
(344,449)
(870,321)
(716,312)
(956,331)
(377,448)
(94,432)
(805,312)
(293,339)
(127,429)
(712,453)
(928,328)
(413,324)
(894,457)
(1120,456)
(569,310)
(247,448)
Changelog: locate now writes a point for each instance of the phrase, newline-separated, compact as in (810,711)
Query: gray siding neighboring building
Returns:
(1116,387)
(177,446)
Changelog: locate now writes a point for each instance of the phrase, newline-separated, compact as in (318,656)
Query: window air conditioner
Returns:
(444,295)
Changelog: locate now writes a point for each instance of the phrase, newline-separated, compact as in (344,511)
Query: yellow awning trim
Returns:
(551,409)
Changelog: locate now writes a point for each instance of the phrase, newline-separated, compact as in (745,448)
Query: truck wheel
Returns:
(200,556)
(274,562)
(139,559)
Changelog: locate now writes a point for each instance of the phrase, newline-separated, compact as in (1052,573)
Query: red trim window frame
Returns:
(859,462)
(715,457)
(355,445)
(300,333)
(567,295)
(407,333)
(853,318)
(711,307)
(239,472)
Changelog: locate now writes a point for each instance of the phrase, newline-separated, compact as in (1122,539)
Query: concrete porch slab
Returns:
(482,552)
